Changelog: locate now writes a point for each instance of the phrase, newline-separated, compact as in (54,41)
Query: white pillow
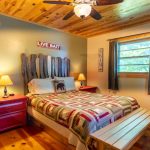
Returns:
(41,86)
(69,82)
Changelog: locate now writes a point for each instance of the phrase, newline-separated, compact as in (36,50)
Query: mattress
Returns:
(81,112)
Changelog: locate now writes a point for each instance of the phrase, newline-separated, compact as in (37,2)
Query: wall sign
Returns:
(100,60)
(48,45)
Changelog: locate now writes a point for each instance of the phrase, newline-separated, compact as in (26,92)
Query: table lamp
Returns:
(5,81)
(81,78)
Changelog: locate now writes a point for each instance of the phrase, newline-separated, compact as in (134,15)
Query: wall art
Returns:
(100,59)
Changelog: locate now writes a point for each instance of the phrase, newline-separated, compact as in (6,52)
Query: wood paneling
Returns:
(115,17)
(134,37)
(34,138)
(133,75)
(30,138)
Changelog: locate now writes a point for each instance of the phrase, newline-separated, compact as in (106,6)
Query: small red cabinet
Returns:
(91,89)
(12,112)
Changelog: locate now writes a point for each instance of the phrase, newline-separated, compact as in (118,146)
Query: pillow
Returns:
(69,82)
(41,86)
(59,86)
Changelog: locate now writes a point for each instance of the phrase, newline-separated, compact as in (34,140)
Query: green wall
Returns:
(18,37)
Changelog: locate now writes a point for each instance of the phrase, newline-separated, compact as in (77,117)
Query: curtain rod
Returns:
(141,34)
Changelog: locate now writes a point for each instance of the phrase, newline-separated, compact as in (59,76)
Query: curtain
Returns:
(112,72)
(149,78)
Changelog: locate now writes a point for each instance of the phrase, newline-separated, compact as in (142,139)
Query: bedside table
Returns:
(91,89)
(12,112)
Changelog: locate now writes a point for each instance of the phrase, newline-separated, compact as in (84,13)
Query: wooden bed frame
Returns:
(51,132)
(36,66)
(138,119)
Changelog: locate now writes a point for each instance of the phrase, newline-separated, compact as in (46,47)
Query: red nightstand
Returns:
(12,112)
(91,89)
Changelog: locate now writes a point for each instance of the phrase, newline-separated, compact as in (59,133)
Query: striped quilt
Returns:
(82,112)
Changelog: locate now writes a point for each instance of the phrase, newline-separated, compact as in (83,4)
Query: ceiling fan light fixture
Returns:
(82,10)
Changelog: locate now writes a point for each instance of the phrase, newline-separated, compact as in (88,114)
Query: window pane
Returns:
(134,57)
(131,61)
(136,45)
(134,68)
(131,53)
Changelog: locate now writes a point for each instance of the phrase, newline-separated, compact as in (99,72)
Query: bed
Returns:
(80,112)
(72,113)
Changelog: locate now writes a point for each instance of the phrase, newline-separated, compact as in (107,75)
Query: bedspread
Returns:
(83,112)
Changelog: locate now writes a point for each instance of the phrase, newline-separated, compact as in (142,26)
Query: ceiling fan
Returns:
(84,8)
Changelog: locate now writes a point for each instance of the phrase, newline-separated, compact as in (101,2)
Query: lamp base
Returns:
(5,92)
(81,84)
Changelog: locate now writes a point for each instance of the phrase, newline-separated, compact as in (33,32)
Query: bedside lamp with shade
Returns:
(5,81)
(81,78)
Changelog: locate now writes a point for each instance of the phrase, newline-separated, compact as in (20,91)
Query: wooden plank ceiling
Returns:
(115,17)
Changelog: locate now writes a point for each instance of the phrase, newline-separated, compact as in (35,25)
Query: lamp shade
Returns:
(5,80)
(81,77)
(82,10)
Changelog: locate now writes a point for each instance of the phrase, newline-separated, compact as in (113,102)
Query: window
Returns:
(134,57)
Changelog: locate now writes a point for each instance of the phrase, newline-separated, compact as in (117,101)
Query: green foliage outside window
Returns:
(134,57)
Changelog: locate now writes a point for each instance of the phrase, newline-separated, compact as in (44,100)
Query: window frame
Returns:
(134,74)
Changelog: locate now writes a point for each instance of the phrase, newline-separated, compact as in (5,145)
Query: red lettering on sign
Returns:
(48,45)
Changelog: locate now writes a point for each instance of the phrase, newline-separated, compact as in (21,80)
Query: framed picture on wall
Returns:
(100,59)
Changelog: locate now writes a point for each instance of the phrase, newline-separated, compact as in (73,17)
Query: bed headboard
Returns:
(43,66)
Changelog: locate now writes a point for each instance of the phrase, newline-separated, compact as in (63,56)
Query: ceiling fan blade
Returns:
(108,2)
(69,15)
(57,2)
(94,14)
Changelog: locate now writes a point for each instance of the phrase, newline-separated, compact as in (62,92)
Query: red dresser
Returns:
(12,112)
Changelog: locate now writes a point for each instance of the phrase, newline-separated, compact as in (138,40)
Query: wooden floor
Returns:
(30,138)
(34,138)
